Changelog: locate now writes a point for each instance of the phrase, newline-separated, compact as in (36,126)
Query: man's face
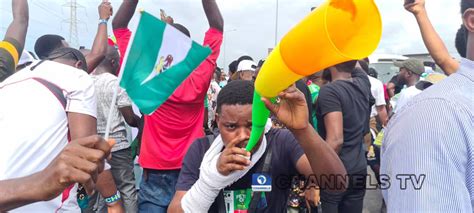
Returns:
(403,75)
(223,77)
(235,123)
(246,75)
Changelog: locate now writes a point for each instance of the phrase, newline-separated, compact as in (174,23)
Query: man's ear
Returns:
(468,19)
(217,119)
(78,65)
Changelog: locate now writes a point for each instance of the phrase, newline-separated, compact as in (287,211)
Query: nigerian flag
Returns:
(158,59)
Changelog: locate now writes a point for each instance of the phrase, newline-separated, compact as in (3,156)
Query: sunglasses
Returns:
(77,57)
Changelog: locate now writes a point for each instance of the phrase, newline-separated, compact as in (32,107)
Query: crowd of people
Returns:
(323,133)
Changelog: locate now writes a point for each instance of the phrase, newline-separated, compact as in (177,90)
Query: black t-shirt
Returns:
(398,84)
(285,154)
(352,98)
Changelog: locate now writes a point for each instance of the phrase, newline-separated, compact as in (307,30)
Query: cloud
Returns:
(252,20)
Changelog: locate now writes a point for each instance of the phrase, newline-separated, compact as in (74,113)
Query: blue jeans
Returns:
(156,190)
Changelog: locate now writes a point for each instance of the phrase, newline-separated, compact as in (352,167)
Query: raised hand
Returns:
(105,10)
(213,14)
(415,6)
(166,18)
(233,158)
(292,109)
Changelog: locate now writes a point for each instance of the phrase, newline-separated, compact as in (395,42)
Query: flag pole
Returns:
(114,97)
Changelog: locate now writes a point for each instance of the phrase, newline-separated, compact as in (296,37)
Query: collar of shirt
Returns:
(467,68)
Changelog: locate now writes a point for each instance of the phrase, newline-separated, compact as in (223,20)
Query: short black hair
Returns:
(218,72)
(461,41)
(367,60)
(346,66)
(182,28)
(111,55)
(466,4)
(233,66)
(373,72)
(365,66)
(237,92)
(46,44)
(327,75)
(68,53)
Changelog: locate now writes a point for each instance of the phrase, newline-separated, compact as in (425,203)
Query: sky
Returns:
(250,25)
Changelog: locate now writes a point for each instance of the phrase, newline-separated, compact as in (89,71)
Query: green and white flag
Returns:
(158,59)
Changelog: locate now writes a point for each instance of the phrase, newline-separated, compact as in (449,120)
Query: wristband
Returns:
(103,21)
(112,199)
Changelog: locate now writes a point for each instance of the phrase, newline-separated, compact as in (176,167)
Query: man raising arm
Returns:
(433,42)
(171,129)
(12,45)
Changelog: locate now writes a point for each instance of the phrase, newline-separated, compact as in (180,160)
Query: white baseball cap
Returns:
(247,65)
(25,58)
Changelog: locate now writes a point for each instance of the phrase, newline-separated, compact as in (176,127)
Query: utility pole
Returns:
(72,21)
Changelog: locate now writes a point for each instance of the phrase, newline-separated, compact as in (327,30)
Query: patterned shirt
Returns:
(104,86)
(433,136)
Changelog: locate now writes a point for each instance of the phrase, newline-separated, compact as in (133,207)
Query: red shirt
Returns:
(171,129)
(123,37)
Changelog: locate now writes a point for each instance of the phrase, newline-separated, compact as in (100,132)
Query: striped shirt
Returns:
(433,135)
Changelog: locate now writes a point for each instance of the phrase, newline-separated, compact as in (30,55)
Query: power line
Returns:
(31,19)
(46,9)
(72,21)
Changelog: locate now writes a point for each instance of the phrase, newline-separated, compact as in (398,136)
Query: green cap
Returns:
(414,65)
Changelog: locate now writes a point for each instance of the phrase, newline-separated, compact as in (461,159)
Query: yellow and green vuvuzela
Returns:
(158,59)
(336,32)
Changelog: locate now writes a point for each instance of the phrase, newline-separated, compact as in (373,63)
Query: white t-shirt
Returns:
(405,96)
(376,88)
(214,89)
(34,125)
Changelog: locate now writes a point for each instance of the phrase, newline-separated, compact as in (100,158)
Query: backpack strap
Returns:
(57,92)
(264,168)
(210,139)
